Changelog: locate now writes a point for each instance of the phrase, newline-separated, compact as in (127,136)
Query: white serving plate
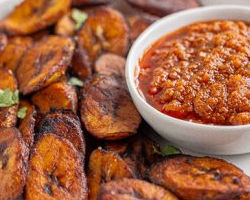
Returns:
(242,161)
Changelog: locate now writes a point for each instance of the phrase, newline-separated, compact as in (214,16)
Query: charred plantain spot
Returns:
(89,2)
(5,159)
(47,189)
(3,146)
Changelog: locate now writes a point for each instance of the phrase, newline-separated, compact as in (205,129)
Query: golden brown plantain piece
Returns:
(58,95)
(110,64)
(13,52)
(44,63)
(138,23)
(163,7)
(107,109)
(8,114)
(55,171)
(13,163)
(27,124)
(134,189)
(200,178)
(65,26)
(105,166)
(105,30)
(3,41)
(90,2)
(66,124)
(80,64)
(32,16)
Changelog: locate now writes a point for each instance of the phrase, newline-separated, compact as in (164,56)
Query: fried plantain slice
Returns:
(31,16)
(27,124)
(8,114)
(107,109)
(44,63)
(134,189)
(138,23)
(105,166)
(65,26)
(105,30)
(66,124)
(58,95)
(110,64)
(200,178)
(138,152)
(13,52)
(3,41)
(80,64)
(163,7)
(13,163)
(89,2)
(55,171)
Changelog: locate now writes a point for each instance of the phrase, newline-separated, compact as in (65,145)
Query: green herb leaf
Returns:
(167,150)
(8,98)
(79,17)
(22,112)
(75,82)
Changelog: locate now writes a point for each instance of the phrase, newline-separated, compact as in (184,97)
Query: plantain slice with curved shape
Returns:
(27,124)
(163,7)
(31,16)
(200,178)
(138,23)
(89,2)
(59,95)
(13,52)
(13,163)
(105,166)
(80,64)
(107,110)
(133,189)
(110,64)
(66,124)
(3,41)
(8,116)
(105,30)
(55,171)
(44,63)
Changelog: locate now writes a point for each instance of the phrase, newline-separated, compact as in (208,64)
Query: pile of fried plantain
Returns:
(69,62)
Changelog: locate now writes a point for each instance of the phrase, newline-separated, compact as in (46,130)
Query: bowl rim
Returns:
(130,66)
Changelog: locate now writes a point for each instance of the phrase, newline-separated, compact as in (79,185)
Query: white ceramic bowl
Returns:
(209,139)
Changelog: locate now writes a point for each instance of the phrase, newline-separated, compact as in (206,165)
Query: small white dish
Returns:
(208,139)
